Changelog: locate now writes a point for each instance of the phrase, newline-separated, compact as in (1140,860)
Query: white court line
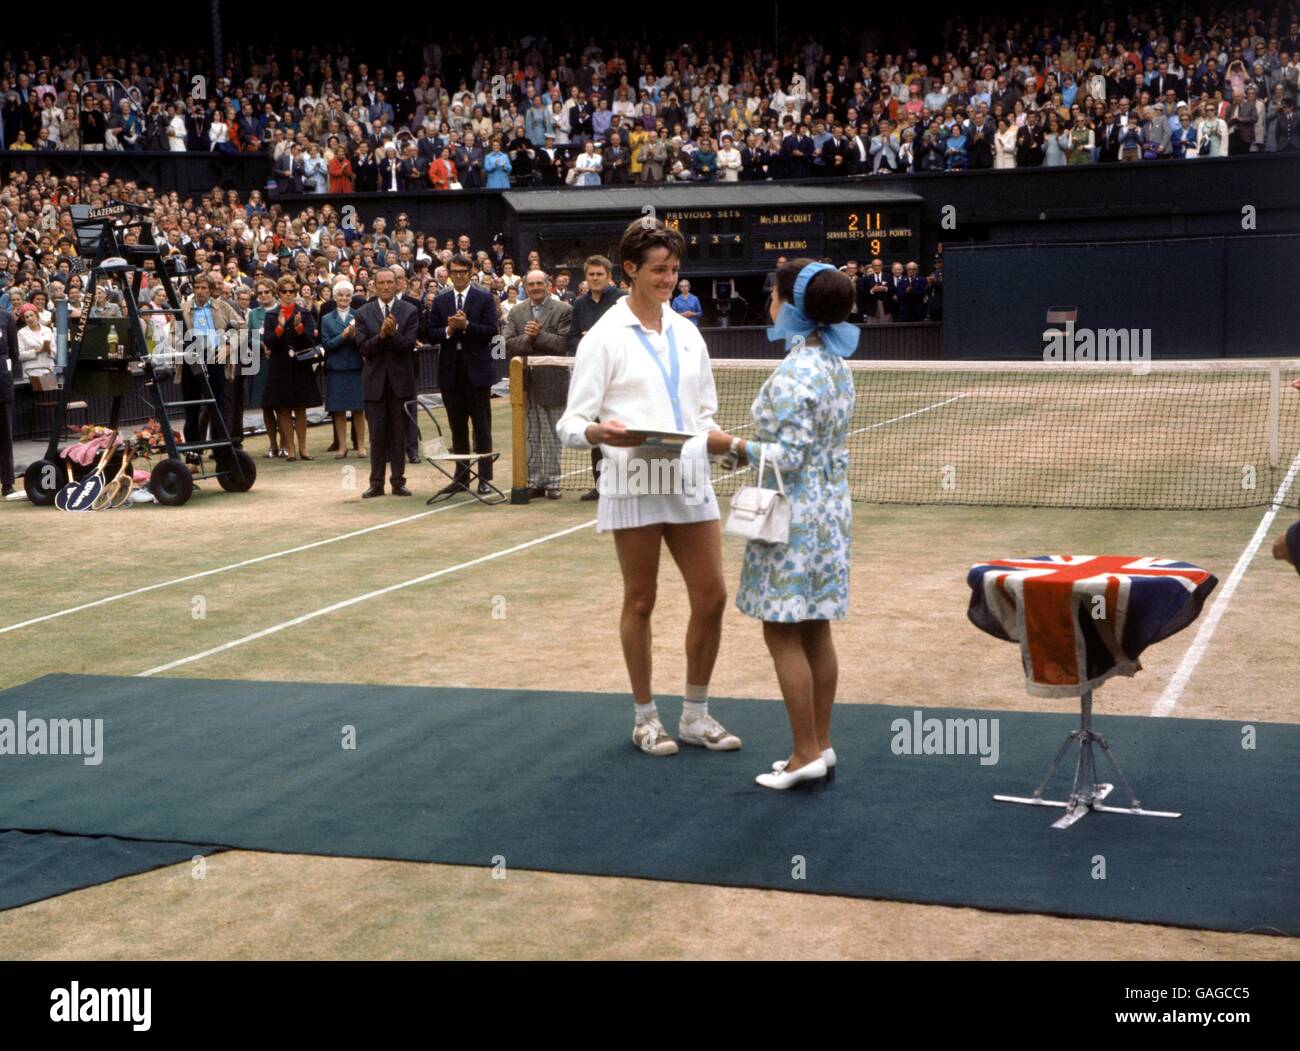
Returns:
(234,565)
(909,415)
(361,598)
(1173,691)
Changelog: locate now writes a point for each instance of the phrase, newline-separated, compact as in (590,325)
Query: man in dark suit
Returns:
(797,152)
(400,282)
(411,173)
(980,131)
(897,287)
(402,95)
(463,323)
(859,151)
(547,157)
(874,291)
(1029,143)
(386,334)
(10,370)
(836,152)
(751,159)
(911,294)
(1165,81)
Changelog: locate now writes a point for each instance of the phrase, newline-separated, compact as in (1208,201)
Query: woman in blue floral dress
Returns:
(801,419)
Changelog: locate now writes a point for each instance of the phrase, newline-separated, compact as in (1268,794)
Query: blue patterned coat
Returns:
(801,417)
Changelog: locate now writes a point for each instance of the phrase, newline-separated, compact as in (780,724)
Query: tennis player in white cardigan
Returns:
(644,366)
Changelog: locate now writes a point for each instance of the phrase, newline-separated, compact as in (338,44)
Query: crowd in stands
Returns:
(238,242)
(235,242)
(1080,90)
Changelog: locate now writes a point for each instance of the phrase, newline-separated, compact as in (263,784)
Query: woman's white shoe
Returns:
(828,754)
(781,780)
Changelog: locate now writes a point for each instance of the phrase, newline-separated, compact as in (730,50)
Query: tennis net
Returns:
(1183,435)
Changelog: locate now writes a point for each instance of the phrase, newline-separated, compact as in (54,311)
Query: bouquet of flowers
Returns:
(149,439)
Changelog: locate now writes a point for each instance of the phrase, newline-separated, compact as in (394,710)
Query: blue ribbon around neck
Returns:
(672,375)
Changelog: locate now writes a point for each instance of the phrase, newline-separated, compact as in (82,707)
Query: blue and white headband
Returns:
(792,323)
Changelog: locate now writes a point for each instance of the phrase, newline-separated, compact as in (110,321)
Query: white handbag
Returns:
(761,514)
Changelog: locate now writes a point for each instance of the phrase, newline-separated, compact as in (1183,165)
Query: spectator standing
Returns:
(291,387)
(497,166)
(1243,116)
(10,369)
(463,322)
(588,308)
(875,293)
(207,320)
(729,162)
(442,173)
(1029,143)
(315,175)
(1081,142)
(338,166)
(265,290)
(1211,134)
(343,366)
(911,294)
(36,346)
(386,333)
(588,166)
(616,160)
(686,304)
(365,170)
(1004,144)
(541,324)
(1287,129)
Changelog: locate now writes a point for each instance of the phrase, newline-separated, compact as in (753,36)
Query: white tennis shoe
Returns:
(708,733)
(651,737)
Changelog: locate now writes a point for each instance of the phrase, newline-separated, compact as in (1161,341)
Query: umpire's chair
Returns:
(435,452)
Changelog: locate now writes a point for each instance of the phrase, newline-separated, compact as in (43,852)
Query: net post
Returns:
(1274,398)
(518,433)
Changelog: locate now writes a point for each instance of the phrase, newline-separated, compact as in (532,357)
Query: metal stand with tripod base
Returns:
(1087,793)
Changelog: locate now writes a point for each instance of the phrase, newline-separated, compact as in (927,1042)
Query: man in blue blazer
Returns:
(463,324)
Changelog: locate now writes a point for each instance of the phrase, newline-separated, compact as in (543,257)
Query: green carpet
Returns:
(37,865)
(551,781)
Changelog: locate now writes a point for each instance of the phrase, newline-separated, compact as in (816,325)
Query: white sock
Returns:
(645,712)
(695,703)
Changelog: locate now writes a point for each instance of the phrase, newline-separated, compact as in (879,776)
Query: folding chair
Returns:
(437,454)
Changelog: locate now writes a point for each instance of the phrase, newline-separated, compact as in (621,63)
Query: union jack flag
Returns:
(1081,619)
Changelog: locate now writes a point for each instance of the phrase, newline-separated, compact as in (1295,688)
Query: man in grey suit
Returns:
(540,325)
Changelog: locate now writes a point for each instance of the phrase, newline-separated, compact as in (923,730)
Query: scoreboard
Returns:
(755,238)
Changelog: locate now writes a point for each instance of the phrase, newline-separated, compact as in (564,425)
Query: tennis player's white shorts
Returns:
(631,512)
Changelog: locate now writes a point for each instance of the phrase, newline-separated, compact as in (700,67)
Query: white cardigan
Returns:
(614,378)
